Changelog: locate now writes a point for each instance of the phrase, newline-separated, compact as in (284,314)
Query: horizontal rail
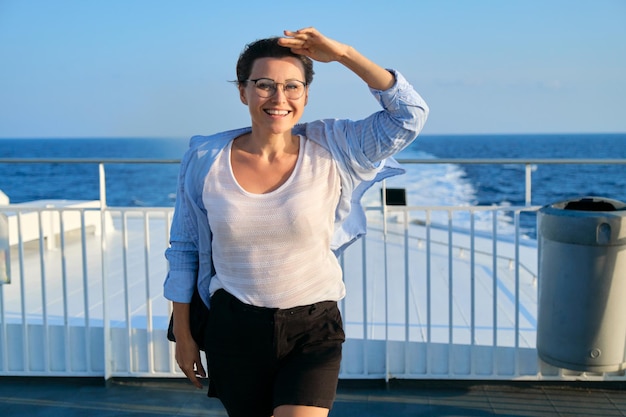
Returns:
(527,162)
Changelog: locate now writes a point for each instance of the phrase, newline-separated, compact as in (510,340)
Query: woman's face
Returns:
(275,114)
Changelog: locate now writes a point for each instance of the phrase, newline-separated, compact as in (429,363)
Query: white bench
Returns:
(50,213)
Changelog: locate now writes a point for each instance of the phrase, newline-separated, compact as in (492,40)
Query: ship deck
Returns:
(69,397)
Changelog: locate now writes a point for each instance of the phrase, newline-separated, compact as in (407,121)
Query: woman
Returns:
(262,214)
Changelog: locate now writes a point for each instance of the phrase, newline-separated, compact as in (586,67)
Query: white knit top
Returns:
(273,249)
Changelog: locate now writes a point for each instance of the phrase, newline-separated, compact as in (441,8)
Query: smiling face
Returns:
(276,114)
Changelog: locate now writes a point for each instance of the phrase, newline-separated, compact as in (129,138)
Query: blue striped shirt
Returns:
(363,152)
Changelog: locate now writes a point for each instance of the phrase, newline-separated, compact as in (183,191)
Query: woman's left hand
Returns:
(312,43)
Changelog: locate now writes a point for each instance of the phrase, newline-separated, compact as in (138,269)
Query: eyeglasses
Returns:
(266,87)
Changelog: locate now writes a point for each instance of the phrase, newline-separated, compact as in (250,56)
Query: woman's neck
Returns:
(268,146)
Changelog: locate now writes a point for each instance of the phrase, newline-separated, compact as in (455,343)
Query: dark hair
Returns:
(269,48)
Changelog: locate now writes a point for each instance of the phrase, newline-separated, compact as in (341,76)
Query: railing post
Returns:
(103,186)
(106,326)
(386,278)
(528,183)
(5,251)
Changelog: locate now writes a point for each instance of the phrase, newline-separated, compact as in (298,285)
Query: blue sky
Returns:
(146,68)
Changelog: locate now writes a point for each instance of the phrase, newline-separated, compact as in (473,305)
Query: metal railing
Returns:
(429,295)
(527,163)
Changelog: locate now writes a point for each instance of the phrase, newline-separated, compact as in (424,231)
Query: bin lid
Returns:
(591,204)
(593,221)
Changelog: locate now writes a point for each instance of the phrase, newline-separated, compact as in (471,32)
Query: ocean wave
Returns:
(441,185)
(429,184)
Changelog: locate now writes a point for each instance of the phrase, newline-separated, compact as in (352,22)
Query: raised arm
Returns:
(312,43)
(364,143)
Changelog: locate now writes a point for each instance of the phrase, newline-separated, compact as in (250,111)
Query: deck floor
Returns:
(67,397)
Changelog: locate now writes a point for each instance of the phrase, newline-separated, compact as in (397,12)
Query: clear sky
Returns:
(145,68)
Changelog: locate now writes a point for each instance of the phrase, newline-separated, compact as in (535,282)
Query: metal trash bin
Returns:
(582,285)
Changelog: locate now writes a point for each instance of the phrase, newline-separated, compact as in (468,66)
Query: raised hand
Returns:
(312,43)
